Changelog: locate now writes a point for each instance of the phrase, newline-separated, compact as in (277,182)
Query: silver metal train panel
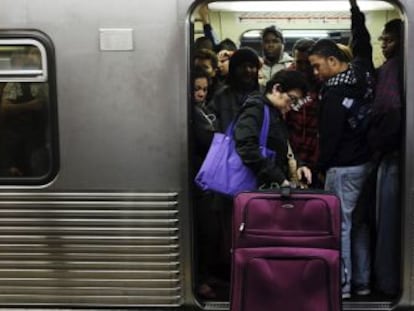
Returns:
(90,249)
(122,113)
(112,229)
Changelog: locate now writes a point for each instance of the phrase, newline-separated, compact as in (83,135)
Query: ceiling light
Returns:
(296,6)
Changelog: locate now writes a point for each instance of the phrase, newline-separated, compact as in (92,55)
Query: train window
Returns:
(252,38)
(22,62)
(27,107)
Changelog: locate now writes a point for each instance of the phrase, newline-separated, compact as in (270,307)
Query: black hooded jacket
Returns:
(247,133)
(227,102)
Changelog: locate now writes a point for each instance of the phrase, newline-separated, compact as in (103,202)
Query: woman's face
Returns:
(285,100)
(200,89)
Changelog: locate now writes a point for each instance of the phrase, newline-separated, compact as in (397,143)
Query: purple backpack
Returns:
(223,170)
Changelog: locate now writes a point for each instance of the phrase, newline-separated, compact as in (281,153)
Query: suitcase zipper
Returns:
(242,226)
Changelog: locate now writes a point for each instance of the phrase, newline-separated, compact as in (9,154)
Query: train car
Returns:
(96,208)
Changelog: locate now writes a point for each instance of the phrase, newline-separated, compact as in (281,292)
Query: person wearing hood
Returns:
(274,56)
(242,80)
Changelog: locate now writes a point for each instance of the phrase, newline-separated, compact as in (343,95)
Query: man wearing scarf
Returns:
(344,154)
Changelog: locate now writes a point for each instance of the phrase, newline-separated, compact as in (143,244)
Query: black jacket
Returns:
(247,133)
(226,105)
(203,132)
(340,144)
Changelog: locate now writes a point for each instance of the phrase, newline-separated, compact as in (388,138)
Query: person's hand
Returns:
(285,183)
(203,12)
(304,172)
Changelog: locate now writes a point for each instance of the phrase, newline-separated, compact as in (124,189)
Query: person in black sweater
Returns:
(344,154)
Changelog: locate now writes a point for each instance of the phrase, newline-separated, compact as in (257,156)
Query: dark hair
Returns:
(226,44)
(394,27)
(207,54)
(274,30)
(327,48)
(199,72)
(288,80)
(203,43)
(242,55)
(303,45)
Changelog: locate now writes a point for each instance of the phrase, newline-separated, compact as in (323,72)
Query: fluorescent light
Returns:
(296,6)
(305,33)
(291,34)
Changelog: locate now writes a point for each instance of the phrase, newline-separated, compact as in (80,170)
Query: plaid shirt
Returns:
(303,131)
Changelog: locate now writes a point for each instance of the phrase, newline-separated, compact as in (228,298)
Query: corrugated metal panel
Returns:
(90,249)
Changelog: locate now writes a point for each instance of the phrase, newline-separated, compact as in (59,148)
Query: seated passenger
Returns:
(285,89)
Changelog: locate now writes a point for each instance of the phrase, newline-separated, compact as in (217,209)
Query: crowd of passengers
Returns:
(310,96)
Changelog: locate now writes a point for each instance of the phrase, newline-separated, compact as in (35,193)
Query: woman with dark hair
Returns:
(282,91)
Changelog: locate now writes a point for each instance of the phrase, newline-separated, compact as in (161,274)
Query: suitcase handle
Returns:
(285,192)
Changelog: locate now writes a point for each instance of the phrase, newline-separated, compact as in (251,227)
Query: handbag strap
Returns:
(265,127)
(263,132)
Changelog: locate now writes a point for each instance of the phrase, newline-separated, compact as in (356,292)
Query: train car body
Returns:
(110,223)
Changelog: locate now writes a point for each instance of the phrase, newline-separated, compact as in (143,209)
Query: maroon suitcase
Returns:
(286,251)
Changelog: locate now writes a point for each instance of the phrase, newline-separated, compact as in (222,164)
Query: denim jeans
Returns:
(346,183)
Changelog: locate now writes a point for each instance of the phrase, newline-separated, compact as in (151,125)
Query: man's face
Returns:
(302,62)
(389,44)
(246,74)
(272,46)
(206,65)
(322,67)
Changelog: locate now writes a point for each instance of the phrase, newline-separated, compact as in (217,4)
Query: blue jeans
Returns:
(346,183)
